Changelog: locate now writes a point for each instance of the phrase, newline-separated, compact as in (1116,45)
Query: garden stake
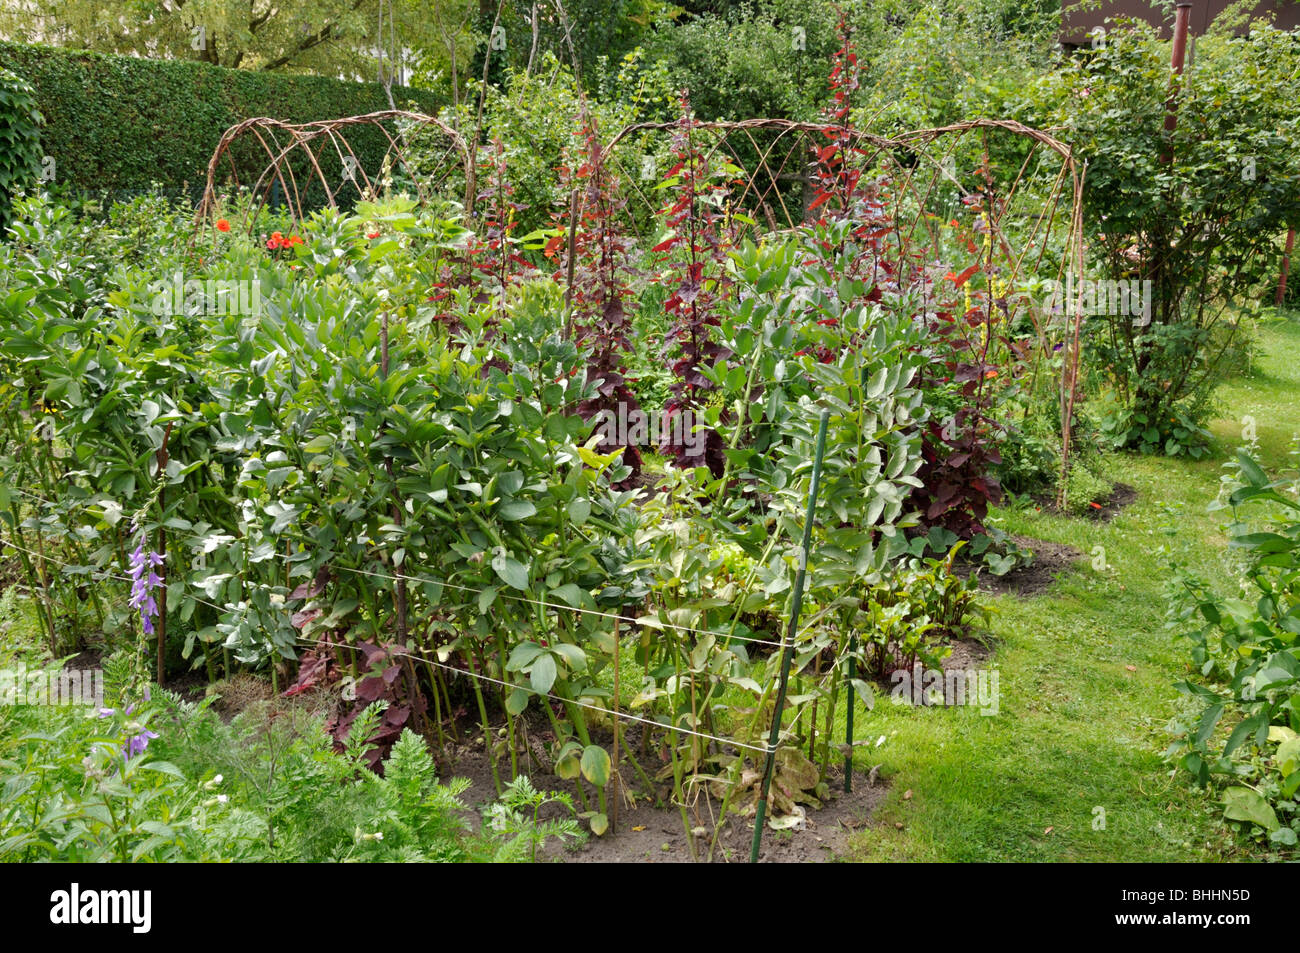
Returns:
(848,718)
(1286,264)
(573,237)
(40,593)
(615,777)
(788,654)
(399,594)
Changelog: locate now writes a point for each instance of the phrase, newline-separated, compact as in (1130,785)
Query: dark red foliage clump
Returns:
(695,247)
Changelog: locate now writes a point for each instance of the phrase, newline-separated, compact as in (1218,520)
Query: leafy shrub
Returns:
(1193,211)
(1029,458)
(20,122)
(1248,665)
(540,118)
(179,110)
(1181,431)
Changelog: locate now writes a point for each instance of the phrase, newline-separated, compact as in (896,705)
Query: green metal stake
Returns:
(788,652)
(848,730)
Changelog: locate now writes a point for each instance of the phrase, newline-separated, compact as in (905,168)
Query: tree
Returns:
(1194,212)
(330,37)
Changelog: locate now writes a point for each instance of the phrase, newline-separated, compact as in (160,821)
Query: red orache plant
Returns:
(858,238)
(597,257)
(836,178)
(695,248)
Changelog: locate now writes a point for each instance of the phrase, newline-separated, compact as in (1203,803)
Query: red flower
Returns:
(801,353)
(292,240)
(829,322)
(223,225)
(372,234)
(1095,506)
(273,243)
(990,375)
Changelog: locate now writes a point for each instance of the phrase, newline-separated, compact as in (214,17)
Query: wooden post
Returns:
(1286,264)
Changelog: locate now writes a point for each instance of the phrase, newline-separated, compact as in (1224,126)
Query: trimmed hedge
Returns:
(20,150)
(119,124)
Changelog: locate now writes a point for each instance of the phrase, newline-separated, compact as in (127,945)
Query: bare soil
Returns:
(85,660)
(1121,495)
(1050,561)
(1103,511)
(653,832)
(967,654)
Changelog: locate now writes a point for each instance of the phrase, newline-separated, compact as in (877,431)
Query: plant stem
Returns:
(487,728)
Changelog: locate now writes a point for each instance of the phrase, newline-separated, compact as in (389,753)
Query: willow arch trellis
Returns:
(1022,216)
(282,142)
(919,166)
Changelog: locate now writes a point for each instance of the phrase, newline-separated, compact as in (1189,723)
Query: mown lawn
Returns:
(1085,678)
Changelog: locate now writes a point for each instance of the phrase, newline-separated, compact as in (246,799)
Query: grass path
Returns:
(1077,730)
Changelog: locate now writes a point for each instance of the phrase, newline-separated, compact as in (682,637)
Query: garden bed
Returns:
(653,833)
(1100,511)
(1050,561)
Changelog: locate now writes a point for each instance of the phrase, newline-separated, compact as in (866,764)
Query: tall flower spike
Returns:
(143,583)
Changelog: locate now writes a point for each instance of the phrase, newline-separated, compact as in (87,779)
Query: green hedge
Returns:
(118,124)
(20,152)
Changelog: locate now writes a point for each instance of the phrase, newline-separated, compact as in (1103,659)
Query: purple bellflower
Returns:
(143,583)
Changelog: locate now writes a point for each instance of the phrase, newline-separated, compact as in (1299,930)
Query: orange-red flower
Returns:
(223,225)
(278,240)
